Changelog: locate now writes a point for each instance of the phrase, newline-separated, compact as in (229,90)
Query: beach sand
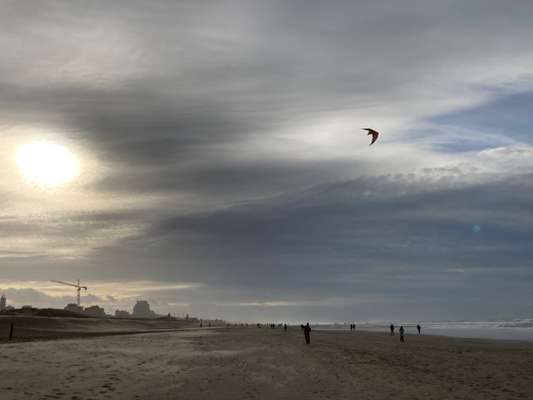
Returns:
(252,363)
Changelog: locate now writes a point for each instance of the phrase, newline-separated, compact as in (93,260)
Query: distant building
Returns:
(72,307)
(95,311)
(122,314)
(142,310)
(3,303)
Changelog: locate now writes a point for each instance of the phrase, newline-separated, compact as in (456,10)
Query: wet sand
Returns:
(251,363)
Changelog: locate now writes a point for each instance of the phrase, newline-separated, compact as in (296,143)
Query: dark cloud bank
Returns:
(383,247)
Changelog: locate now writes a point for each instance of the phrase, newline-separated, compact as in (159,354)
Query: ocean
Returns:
(518,329)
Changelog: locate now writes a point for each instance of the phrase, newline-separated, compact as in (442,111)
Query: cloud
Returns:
(220,143)
(392,235)
(124,294)
(333,302)
(64,236)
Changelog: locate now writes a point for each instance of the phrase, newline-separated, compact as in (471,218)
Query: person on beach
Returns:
(402,339)
(307,333)
(392,329)
(419,328)
(285,327)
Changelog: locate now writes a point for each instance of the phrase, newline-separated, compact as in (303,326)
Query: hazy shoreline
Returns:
(495,330)
(31,328)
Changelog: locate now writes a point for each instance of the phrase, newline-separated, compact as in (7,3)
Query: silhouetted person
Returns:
(354,326)
(401,334)
(392,329)
(285,327)
(419,328)
(302,327)
(307,333)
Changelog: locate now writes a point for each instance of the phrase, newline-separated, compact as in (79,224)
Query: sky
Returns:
(222,170)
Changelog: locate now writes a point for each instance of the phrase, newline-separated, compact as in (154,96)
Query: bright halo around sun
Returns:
(47,164)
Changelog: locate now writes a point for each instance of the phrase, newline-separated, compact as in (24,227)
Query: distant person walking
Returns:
(402,339)
(419,328)
(285,327)
(307,333)
(392,329)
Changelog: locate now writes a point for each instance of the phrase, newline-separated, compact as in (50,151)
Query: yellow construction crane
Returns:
(77,286)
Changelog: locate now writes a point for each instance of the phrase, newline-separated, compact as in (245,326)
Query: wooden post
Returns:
(11,332)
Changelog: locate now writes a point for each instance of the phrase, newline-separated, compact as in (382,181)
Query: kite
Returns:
(374,134)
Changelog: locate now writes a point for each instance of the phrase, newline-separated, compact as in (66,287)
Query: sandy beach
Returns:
(251,363)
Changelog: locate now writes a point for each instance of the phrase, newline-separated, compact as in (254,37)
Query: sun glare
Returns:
(47,164)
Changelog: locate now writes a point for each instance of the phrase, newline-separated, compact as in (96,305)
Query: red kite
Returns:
(374,134)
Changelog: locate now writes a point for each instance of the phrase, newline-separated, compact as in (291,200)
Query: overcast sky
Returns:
(223,171)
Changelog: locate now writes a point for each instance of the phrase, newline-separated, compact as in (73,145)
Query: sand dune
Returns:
(251,363)
(31,327)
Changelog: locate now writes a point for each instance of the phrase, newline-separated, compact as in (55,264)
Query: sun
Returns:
(47,164)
